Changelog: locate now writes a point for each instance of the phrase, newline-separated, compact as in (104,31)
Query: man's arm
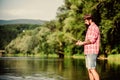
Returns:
(80,43)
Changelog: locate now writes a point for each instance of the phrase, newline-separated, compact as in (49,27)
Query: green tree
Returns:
(59,36)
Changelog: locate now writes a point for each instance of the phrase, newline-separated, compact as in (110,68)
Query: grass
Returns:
(111,58)
(31,55)
(80,56)
(115,59)
(114,56)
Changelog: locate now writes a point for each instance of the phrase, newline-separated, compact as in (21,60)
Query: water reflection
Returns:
(30,68)
(108,71)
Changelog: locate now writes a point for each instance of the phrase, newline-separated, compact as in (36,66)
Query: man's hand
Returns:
(79,43)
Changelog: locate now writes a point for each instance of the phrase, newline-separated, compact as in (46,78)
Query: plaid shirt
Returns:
(93,35)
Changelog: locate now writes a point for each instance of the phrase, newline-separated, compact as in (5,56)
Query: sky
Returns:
(29,9)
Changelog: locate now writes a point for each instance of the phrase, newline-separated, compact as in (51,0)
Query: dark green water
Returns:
(29,68)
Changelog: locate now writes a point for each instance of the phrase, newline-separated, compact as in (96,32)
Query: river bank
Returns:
(81,56)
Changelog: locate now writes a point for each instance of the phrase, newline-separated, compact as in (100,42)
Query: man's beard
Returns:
(87,25)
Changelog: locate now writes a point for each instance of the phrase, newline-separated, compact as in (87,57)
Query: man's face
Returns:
(87,22)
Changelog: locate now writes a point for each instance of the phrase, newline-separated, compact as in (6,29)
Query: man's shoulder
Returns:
(94,26)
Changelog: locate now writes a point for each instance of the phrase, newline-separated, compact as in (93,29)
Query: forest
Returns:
(59,36)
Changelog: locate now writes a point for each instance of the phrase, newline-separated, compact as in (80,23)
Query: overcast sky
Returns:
(29,9)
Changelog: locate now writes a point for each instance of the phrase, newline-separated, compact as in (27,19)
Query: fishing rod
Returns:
(72,38)
(69,36)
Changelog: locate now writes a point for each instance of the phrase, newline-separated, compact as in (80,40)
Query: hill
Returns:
(21,21)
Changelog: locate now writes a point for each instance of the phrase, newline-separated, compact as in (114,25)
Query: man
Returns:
(91,46)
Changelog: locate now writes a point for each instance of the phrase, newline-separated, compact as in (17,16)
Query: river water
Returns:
(30,68)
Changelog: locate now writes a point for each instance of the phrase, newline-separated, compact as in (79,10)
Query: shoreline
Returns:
(101,57)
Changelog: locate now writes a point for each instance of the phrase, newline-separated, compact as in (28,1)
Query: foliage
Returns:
(9,32)
(59,36)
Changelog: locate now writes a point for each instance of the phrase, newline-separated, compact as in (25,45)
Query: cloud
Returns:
(29,9)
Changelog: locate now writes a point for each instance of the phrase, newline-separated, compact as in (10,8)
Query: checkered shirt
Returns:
(93,35)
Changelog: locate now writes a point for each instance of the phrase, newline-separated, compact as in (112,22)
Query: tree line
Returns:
(58,36)
(8,32)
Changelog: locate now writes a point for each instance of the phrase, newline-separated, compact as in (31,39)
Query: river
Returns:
(30,68)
